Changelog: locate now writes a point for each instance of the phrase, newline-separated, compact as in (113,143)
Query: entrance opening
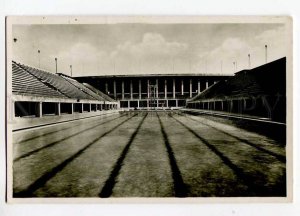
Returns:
(86,107)
(78,108)
(26,109)
(50,108)
(66,108)
(93,107)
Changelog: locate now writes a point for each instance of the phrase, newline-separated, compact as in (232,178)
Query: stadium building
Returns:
(146,91)
(37,93)
(259,92)
(70,138)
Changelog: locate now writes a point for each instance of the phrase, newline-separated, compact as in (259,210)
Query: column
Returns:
(122,89)
(13,114)
(138,103)
(148,93)
(199,90)
(167,103)
(173,88)
(140,90)
(181,87)
(206,87)
(128,104)
(191,90)
(131,90)
(101,107)
(39,112)
(157,105)
(244,104)
(165,89)
(82,108)
(72,108)
(176,103)
(106,88)
(90,107)
(156,88)
(222,106)
(58,109)
(115,90)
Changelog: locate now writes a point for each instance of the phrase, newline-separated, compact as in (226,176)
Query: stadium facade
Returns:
(158,91)
(38,93)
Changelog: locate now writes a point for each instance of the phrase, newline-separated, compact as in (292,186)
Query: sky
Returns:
(120,49)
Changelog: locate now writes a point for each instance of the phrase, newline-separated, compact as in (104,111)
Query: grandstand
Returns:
(143,91)
(149,114)
(259,92)
(64,144)
(38,93)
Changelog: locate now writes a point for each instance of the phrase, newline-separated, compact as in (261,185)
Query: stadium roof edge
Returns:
(156,75)
(263,65)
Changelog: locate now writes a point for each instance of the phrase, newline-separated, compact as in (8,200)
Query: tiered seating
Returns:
(23,83)
(107,98)
(83,88)
(243,84)
(57,82)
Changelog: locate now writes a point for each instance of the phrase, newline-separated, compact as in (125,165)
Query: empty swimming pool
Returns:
(147,154)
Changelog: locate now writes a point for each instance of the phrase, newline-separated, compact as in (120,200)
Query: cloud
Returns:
(268,35)
(84,58)
(122,50)
(82,52)
(220,59)
(153,53)
(236,49)
(276,39)
(229,48)
(152,45)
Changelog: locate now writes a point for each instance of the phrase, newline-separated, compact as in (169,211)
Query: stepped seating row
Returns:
(32,81)
(83,88)
(267,79)
(107,98)
(23,83)
(58,83)
(241,85)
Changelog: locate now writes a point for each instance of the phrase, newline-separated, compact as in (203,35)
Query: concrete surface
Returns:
(147,154)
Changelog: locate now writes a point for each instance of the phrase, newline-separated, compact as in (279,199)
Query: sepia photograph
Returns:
(111,108)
